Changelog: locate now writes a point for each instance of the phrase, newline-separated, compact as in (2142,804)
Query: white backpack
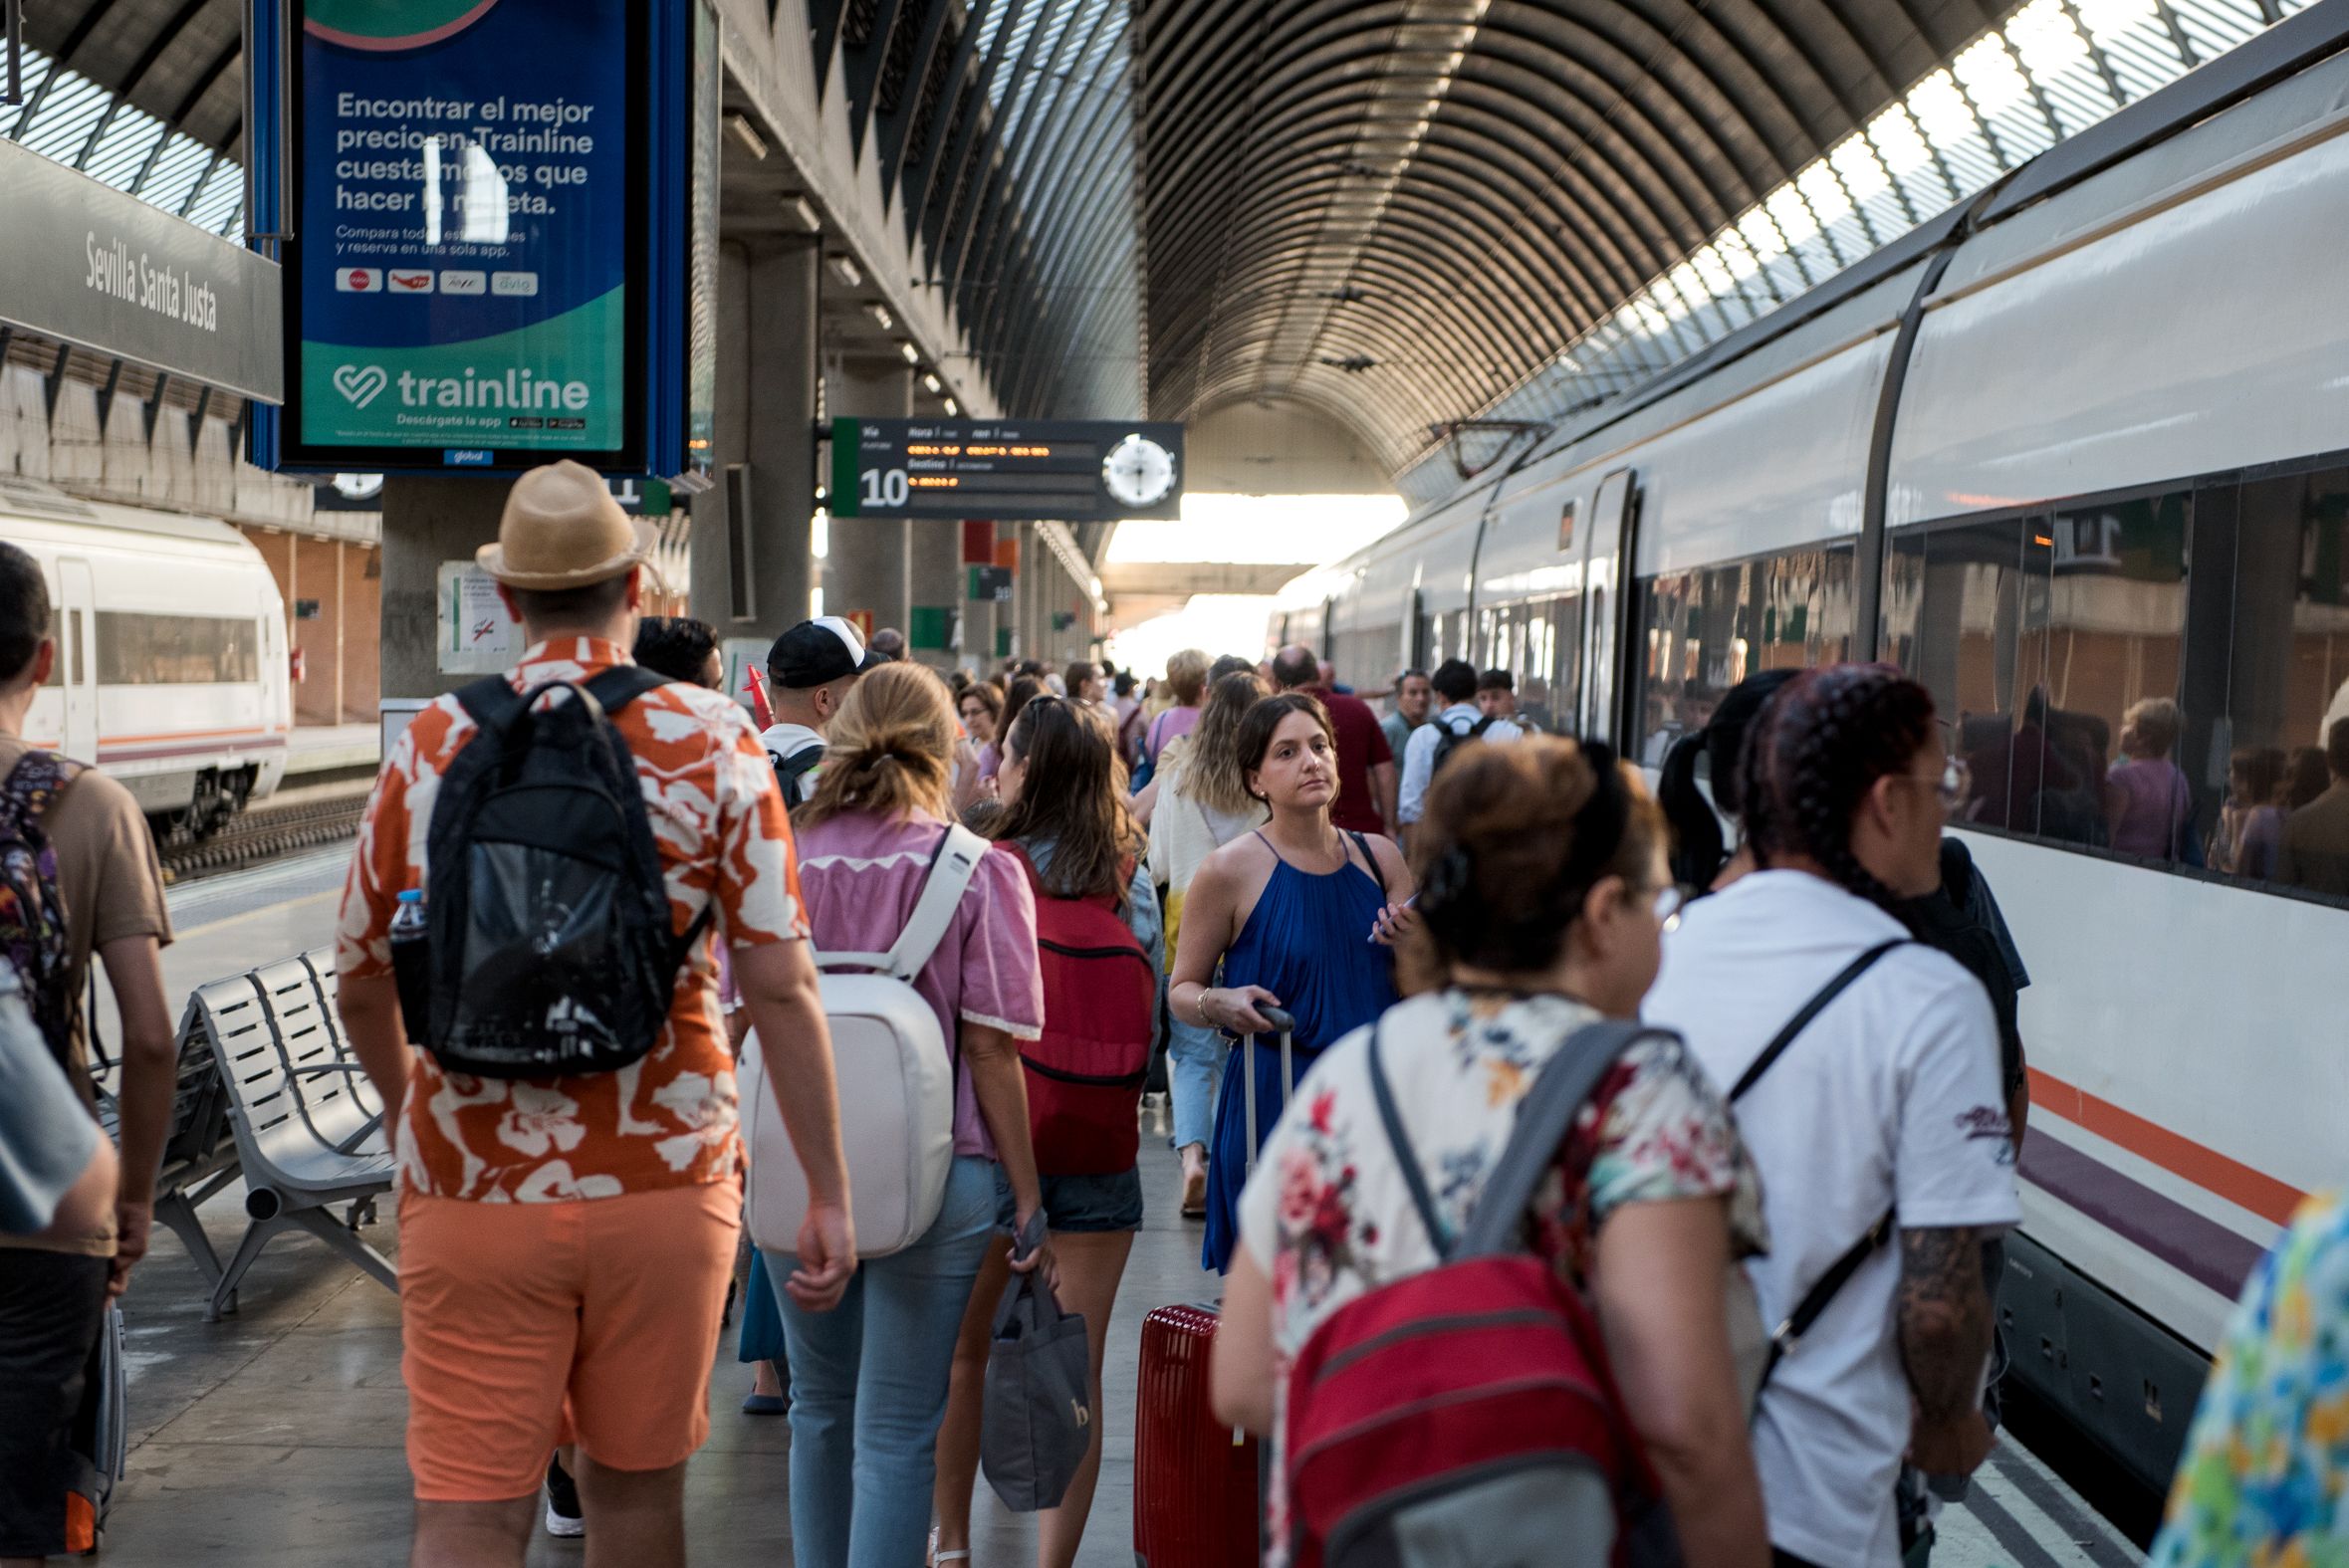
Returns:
(896,1083)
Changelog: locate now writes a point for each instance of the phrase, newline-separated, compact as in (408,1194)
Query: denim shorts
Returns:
(1079,1203)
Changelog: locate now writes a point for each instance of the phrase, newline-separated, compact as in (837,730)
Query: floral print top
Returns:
(1328,1216)
(719,823)
(2266,1464)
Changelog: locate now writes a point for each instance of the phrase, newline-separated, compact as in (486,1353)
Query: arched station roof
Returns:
(1405,214)
(1407,210)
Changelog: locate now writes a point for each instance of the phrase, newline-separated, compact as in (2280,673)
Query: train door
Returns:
(1606,615)
(77,655)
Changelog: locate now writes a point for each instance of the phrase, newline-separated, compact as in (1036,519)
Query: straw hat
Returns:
(563,530)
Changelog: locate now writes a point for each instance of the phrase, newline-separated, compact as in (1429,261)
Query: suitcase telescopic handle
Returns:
(1283,1020)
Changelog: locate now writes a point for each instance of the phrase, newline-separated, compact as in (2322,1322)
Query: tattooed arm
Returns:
(1944,1316)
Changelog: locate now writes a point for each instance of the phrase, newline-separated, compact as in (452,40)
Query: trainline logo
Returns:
(361,384)
(527,391)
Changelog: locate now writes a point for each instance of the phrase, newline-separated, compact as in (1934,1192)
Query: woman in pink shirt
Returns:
(865,1428)
(2147,799)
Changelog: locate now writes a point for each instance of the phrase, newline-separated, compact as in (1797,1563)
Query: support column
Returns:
(1030,592)
(428,518)
(978,623)
(935,586)
(867,566)
(750,571)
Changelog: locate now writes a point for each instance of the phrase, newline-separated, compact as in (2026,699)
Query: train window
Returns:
(2053,646)
(175,650)
(1707,630)
(73,655)
(1538,643)
(2287,684)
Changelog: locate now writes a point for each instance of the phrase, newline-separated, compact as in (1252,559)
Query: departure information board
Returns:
(1009,470)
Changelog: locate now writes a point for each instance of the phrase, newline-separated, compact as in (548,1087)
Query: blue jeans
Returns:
(864,1432)
(1195,1057)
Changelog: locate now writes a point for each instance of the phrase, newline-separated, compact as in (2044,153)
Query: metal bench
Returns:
(199,1149)
(308,1131)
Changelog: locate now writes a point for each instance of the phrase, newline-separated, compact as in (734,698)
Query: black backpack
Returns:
(791,771)
(551,950)
(1453,740)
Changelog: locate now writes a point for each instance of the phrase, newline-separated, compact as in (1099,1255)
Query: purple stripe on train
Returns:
(2197,1246)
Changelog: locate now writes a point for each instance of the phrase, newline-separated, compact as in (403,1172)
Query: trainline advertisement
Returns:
(473,244)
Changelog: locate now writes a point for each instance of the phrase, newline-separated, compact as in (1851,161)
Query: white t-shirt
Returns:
(1419,754)
(786,741)
(1890,1099)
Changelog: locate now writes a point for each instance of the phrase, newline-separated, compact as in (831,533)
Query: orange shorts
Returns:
(528,1324)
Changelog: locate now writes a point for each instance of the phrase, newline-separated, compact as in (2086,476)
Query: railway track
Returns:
(263,835)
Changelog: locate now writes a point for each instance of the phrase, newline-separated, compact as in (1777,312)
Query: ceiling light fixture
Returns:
(753,143)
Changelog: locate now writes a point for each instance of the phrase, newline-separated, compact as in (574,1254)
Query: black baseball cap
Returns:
(818,651)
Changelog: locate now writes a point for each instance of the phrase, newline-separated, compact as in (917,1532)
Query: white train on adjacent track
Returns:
(2083,441)
(171,672)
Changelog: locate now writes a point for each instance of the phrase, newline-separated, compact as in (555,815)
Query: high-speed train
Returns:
(171,669)
(2080,443)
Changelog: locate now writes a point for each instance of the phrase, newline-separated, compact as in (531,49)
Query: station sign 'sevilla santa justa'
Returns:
(1007,470)
(86,264)
(486,232)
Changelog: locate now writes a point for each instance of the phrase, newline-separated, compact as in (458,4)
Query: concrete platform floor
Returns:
(273,1437)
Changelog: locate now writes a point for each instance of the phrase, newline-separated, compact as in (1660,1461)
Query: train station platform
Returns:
(325,748)
(274,1437)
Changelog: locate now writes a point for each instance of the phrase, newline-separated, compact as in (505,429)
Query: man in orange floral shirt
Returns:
(565,1243)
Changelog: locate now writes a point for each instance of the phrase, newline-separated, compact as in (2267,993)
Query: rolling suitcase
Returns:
(1197,1484)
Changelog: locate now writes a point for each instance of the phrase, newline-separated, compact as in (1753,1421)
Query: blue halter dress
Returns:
(1308,942)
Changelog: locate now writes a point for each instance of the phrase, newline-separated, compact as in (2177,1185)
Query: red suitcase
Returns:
(1196,1483)
(1195,1497)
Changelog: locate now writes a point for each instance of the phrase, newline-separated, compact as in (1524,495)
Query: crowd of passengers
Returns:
(1767,1218)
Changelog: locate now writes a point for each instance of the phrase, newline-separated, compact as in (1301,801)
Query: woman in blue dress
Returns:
(1296,915)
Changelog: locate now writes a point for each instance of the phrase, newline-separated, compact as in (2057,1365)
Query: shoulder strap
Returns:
(1369,859)
(952,866)
(1823,1289)
(1811,1010)
(951,870)
(1478,729)
(1814,1301)
(1564,1083)
(491,701)
(622,684)
(1406,1157)
(789,771)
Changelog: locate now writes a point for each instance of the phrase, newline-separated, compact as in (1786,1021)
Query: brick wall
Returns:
(341,667)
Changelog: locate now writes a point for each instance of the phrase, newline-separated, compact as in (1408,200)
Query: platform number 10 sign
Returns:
(882,487)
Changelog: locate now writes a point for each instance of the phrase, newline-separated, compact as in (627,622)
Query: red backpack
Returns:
(1100,1010)
(1470,1405)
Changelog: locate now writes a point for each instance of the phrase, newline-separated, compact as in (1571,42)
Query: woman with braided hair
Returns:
(1864,1067)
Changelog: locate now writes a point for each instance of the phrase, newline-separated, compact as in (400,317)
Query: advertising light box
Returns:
(488,229)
